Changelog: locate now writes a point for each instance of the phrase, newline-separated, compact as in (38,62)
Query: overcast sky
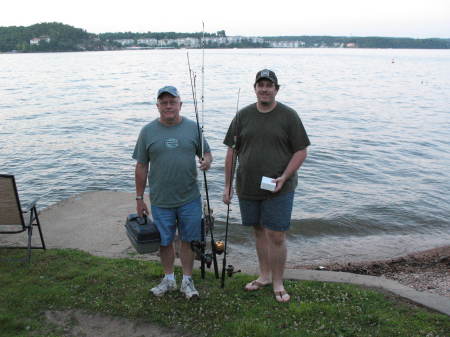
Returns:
(400,18)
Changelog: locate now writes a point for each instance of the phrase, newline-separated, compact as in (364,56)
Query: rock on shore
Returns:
(427,270)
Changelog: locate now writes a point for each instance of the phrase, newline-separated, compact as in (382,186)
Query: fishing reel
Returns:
(208,258)
(219,247)
(230,270)
(198,247)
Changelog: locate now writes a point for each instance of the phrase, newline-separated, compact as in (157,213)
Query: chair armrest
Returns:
(30,206)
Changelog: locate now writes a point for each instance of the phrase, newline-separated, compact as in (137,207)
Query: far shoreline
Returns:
(246,48)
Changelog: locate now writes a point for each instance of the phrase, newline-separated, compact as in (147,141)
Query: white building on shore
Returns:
(287,44)
(35,41)
(148,42)
(125,42)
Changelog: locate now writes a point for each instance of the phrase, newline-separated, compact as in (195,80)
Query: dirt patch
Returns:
(77,323)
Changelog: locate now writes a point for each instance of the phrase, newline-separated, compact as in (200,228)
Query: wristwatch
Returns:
(139,197)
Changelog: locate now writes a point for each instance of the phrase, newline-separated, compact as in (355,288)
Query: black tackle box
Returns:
(143,234)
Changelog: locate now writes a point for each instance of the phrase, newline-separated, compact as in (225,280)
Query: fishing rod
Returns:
(208,222)
(209,218)
(196,246)
(229,269)
(203,80)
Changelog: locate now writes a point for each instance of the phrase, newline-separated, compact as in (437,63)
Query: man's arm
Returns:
(140,178)
(294,164)
(230,164)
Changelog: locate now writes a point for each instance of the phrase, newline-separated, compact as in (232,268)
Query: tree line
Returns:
(157,35)
(62,37)
(68,38)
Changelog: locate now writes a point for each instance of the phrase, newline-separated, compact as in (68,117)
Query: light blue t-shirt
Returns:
(171,152)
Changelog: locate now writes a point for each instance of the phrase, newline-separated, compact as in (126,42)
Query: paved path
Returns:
(94,222)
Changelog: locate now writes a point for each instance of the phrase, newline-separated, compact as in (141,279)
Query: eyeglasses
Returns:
(168,102)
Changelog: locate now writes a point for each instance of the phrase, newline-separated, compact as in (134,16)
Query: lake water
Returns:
(376,182)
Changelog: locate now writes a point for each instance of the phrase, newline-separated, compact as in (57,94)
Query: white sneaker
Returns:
(188,289)
(165,286)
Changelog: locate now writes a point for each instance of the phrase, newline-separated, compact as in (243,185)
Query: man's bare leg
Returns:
(167,256)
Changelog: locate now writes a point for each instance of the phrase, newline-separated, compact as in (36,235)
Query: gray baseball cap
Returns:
(267,74)
(170,90)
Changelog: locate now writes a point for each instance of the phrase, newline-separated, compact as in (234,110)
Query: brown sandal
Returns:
(255,285)
(282,296)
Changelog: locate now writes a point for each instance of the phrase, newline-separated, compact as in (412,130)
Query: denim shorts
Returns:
(187,218)
(274,213)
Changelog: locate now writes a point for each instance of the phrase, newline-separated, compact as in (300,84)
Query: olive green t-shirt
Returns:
(265,143)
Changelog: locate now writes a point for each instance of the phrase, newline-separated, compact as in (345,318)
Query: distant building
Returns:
(255,39)
(188,42)
(125,42)
(234,39)
(164,43)
(148,42)
(222,41)
(37,40)
(287,44)
(216,40)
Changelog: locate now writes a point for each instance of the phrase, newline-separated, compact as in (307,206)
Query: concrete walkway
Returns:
(94,222)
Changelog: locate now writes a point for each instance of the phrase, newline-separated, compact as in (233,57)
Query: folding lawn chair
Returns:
(12,216)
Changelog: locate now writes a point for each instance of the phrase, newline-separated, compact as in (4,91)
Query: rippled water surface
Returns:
(376,181)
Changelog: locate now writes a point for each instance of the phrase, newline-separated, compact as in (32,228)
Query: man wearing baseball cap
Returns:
(165,156)
(270,143)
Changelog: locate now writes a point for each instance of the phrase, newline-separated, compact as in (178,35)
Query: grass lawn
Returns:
(70,279)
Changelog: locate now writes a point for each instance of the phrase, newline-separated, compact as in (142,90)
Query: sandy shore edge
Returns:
(94,222)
